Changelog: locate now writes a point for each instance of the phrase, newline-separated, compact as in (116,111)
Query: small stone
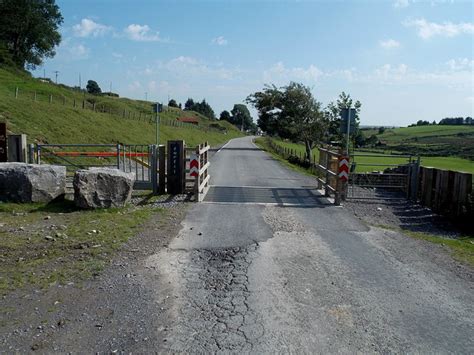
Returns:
(379,208)
(93,231)
(47,217)
(199,233)
(22,228)
(48,237)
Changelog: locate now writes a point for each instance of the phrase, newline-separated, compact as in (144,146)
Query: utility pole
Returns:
(146,96)
(110,87)
(80,81)
(56,72)
(44,73)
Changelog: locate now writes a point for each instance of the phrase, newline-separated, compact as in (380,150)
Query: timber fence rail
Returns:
(88,102)
(325,168)
(447,192)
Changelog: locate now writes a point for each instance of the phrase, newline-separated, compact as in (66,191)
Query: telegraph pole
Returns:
(56,72)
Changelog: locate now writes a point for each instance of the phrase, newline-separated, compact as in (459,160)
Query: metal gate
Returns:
(387,176)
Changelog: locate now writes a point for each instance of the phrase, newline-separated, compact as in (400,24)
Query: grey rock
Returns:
(102,188)
(21,182)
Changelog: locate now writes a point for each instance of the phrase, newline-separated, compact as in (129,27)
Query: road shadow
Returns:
(295,197)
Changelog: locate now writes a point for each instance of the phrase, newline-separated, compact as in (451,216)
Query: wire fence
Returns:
(91,102)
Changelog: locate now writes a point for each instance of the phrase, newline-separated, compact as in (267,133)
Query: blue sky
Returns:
(405,60)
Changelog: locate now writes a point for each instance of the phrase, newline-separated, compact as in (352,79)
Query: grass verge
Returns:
(263,144)
(461,249)
(41,245)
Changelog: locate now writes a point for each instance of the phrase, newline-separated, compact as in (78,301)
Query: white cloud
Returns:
(193,67)
(88,28)
(220,41)
(117,55)
(389,44)
(280,74)
(135,86)
(391,73)
(460,64)
(142,33)
(401,3)
(427,29)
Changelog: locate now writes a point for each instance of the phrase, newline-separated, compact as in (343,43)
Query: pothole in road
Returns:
(215,314)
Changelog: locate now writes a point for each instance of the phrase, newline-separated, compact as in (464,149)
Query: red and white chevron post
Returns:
(344,168)
(194,165)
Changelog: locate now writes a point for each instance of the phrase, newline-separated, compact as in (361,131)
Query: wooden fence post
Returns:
(162,169)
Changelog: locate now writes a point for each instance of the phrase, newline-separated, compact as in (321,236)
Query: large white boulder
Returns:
(102,188)
(21,182)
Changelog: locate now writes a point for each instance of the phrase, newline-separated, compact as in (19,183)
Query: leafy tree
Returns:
(225,116)
(29,30)
(291,112)
(189,104)
(93,88)
(202,107)
(172,103)
(333,115)
(241,117)
(381,130)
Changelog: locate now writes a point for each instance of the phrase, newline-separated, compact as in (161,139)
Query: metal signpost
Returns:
(3,142)
(157,108)
(348,124)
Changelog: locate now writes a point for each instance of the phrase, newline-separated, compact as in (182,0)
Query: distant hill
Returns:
(434,140)
(64,120)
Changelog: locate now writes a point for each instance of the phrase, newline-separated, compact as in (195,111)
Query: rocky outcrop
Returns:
(21,182)
(102,188)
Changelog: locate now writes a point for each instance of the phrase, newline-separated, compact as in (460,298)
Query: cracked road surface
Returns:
(266,264)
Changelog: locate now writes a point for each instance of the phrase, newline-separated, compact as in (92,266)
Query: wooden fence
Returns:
(446,192)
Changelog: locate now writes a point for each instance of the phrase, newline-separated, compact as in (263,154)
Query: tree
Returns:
(172,103)
(93,88)
(202,107)
(241,117)
(29,29)
(225,116)
(189,104)
(333,115)
(291,112)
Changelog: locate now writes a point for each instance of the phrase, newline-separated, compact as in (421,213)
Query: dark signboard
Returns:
(176,167)
(157,107)
(344,117)
(3,142)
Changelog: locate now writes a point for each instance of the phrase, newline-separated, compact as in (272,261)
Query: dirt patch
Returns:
(106,312)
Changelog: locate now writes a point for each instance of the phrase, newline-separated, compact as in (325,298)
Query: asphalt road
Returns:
(266,264)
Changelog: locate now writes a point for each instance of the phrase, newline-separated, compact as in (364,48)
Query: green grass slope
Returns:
(431,140)
(120,120)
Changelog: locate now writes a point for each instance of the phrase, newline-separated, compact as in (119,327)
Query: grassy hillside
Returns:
(429,140)
(120,120)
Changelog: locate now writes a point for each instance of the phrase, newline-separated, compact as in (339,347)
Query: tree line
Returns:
(291,112)
(451,121)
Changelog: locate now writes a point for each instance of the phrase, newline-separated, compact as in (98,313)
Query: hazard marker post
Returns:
(343,175)
(194,165)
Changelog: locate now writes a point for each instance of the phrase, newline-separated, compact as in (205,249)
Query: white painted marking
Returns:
(224,146)
(343,162)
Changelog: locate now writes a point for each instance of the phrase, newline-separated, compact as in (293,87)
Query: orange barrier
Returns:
(97,154)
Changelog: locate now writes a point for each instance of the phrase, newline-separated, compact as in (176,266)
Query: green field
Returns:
(432,140)
(61,122)
(375,163)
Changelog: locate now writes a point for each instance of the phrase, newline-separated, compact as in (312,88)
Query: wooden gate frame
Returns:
(201,184)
